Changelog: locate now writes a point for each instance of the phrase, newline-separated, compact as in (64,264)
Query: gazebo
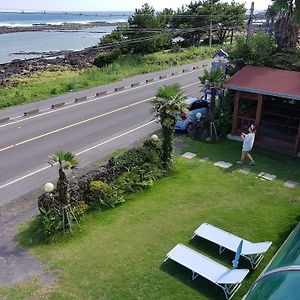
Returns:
(270,99)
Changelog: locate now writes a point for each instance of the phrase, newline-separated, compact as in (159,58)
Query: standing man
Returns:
(248,141)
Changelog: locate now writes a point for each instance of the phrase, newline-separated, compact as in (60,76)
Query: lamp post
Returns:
(154,137)
(48,187)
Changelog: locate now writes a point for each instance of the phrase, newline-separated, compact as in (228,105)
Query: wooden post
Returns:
(249,24)
(235,112)
(260,99)
(231,37)
(210,25)
(297,142)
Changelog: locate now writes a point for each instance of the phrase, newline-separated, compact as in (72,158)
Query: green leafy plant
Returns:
(258,51)
(65,160)
(104,194)
(169,102)
(80,209)
(51,221)
(213,80)
(103,59)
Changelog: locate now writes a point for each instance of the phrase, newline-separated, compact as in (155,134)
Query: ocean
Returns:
(44,41)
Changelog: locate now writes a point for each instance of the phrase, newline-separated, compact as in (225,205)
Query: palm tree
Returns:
(214,81)
(287,25)
(65,160)
(169,102)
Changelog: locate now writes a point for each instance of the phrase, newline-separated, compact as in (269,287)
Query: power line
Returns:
(85,14)
(162,34)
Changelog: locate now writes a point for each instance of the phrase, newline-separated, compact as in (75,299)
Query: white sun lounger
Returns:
(254,252)
(227,279)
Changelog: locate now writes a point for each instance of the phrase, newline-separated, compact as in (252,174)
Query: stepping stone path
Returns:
(290,184)
(204,159)
(267,176)
(223,164)
(188,155)
(245,171)
(226,165)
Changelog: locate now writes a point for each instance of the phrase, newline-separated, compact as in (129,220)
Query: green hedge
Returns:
(102,188)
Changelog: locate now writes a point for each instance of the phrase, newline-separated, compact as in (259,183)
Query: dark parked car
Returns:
(194,106)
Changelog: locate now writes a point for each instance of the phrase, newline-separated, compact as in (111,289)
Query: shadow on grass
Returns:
(200,284)
(212,250)
(33,235)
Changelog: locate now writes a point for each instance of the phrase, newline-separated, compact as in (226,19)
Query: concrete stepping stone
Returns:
(188,155)
(267,176)
(245,171)
(204,159)
(223,164)
(290,184)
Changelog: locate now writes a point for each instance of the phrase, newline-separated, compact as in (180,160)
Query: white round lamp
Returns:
(198,116)
(48,187)
(154,137)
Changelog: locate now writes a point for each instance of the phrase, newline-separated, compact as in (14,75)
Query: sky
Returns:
(102,5)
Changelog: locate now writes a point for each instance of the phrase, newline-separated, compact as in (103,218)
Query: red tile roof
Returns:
(266,81)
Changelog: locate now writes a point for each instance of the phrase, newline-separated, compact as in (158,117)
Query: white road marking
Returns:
(85,150)
(77,154)
(49,111)
(23,177)
(116,137)
(73,125)
(80,123)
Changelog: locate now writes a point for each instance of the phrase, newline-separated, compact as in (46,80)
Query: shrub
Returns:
(106,58)
(259,51)
(104,187)
(51,221)
(104,194)
(224,115)
(70,86)
(80,209)
(53,91)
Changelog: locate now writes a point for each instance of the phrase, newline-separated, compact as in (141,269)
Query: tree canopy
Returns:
(287,24)
(149,31)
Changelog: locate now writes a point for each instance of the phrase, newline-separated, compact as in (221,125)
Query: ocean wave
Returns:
(14,24)
(5,24)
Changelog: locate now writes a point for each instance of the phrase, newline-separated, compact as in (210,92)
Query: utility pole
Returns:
(210,28)
(249,25)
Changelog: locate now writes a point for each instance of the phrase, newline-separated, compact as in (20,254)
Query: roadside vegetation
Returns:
(49,84)
(118,253)
(118,249)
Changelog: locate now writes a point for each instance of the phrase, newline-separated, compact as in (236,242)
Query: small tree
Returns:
(65,160)
(214,81)
(287,25)
(169,102)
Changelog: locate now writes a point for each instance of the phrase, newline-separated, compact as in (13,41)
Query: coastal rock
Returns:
(48,61)
(56,27)
(51,60)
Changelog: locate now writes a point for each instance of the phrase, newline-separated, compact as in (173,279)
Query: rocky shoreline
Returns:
(57,27)
(48,61)
(52,60)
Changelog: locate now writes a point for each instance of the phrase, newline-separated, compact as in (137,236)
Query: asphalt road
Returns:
(92,128)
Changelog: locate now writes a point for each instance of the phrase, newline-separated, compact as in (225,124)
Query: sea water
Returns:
(45,41)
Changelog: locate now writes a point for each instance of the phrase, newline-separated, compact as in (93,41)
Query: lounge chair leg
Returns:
(192,236)
(194,276)
(221,249)
(167,257)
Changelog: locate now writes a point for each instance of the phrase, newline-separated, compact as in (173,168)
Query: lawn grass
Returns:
(53,83)
(118,253)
